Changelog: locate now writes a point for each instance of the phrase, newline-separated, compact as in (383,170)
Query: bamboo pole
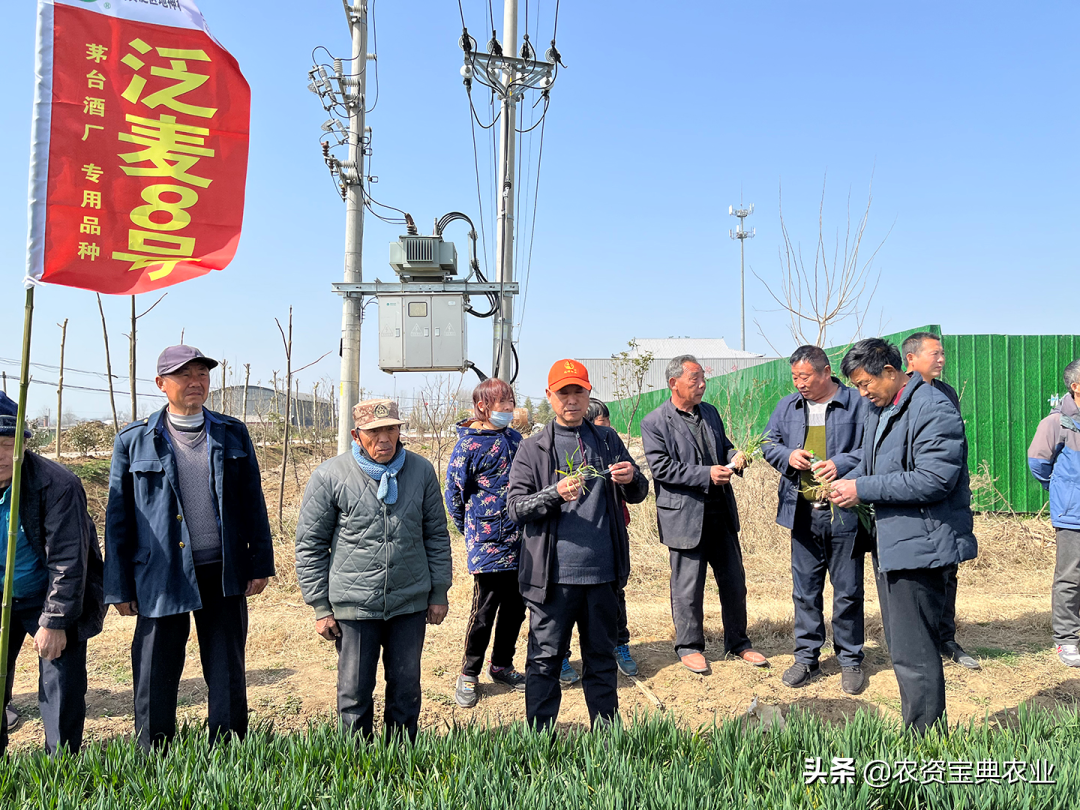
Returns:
(16,493)
(108,367)
(60,388)
(288,404)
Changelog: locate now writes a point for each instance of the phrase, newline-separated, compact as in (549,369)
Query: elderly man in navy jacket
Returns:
(692,461)
(186,532)
(816,434)
(914,472)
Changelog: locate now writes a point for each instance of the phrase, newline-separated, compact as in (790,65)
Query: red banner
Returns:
(146,153)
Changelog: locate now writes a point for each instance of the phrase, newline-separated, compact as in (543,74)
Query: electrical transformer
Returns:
(422,332)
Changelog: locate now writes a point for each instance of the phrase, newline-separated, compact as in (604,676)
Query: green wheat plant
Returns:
(819,492)
(580,469)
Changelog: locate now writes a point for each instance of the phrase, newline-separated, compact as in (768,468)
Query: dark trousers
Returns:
(947,628)
(157,662)
(1065,593)
(911,606)
(594,608)
(400,641)
(719,549)
(497,604)
(814,550)
(61,682)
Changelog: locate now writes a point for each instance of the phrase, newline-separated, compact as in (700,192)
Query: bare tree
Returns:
(60,385)
(288,405)
(838,286)
(224,383)
(131,354)
(247,379)
(108,366)
(629,369)
(434,412)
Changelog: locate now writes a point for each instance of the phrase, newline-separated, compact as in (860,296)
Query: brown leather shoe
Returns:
(695,662)
(752,656)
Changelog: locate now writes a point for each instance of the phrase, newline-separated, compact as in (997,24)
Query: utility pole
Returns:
(502,351)
(742,235)
(353,90)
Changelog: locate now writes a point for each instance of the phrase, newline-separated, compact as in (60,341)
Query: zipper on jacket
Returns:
(386,557)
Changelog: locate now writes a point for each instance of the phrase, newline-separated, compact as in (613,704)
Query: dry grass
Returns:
(1003,616)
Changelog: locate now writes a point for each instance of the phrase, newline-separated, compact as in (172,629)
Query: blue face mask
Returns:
(501,419)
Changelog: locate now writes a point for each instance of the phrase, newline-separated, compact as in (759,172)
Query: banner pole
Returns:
(15,490)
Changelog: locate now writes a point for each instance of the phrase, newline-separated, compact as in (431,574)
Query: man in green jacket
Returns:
(373,559)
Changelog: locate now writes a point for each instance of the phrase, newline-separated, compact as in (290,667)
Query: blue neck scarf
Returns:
(385,474)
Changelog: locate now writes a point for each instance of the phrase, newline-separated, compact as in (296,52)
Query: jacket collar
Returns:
(842,397)
(546,440)
(155,422)
(671,413)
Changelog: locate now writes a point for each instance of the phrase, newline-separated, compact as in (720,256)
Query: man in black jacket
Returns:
(914,472)
(57,594)
(564,492)
(924,353)
(692,460)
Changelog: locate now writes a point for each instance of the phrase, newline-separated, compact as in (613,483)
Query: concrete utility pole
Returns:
(352,307)
(502,357)
(742,235)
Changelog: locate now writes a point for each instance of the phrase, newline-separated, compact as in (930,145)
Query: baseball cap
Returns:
(568,372)
(176,357)
(375,413)
(9,417)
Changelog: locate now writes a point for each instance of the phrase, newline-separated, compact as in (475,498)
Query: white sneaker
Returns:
(1069,655)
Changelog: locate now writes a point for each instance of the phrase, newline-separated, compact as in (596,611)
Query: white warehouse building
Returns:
(715,356)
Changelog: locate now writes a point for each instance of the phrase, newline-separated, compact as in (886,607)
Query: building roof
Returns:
(666,348)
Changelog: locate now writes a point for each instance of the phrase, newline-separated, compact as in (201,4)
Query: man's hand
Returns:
(622,472)
(128,608)
(844,494)
(720,474)
(327,628)
(799,460)
(570,487)
(50,643)
(256,586)
(436,613)
(825,470)
(739,461)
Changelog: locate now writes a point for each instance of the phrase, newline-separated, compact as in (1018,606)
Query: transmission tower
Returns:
(742,235)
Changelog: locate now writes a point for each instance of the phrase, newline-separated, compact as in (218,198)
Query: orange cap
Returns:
(568,372)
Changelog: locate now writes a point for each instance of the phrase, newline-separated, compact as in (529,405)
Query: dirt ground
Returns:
(1003,617)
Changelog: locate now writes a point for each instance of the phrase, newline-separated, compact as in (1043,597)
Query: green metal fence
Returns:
(1005,382)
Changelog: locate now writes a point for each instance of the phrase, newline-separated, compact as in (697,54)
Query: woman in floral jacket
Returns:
(476,483)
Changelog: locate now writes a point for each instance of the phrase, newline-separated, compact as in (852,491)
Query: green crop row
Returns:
(649,762)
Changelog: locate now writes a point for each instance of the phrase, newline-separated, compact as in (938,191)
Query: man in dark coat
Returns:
(56,584)
(186,532)
(692,460)
(914,473)
(565,486)
(924,353)
(815,434)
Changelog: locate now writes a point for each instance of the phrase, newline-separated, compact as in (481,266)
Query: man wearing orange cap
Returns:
(564,492)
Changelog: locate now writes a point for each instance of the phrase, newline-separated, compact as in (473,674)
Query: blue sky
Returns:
(964,115)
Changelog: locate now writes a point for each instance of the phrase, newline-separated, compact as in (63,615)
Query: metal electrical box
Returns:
(422,332)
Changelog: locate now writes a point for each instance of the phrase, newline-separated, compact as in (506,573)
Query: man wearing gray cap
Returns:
(373,559)
(186,532)
(56,584)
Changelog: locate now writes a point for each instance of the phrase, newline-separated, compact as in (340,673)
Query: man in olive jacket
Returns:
(57,585)
(373,559)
